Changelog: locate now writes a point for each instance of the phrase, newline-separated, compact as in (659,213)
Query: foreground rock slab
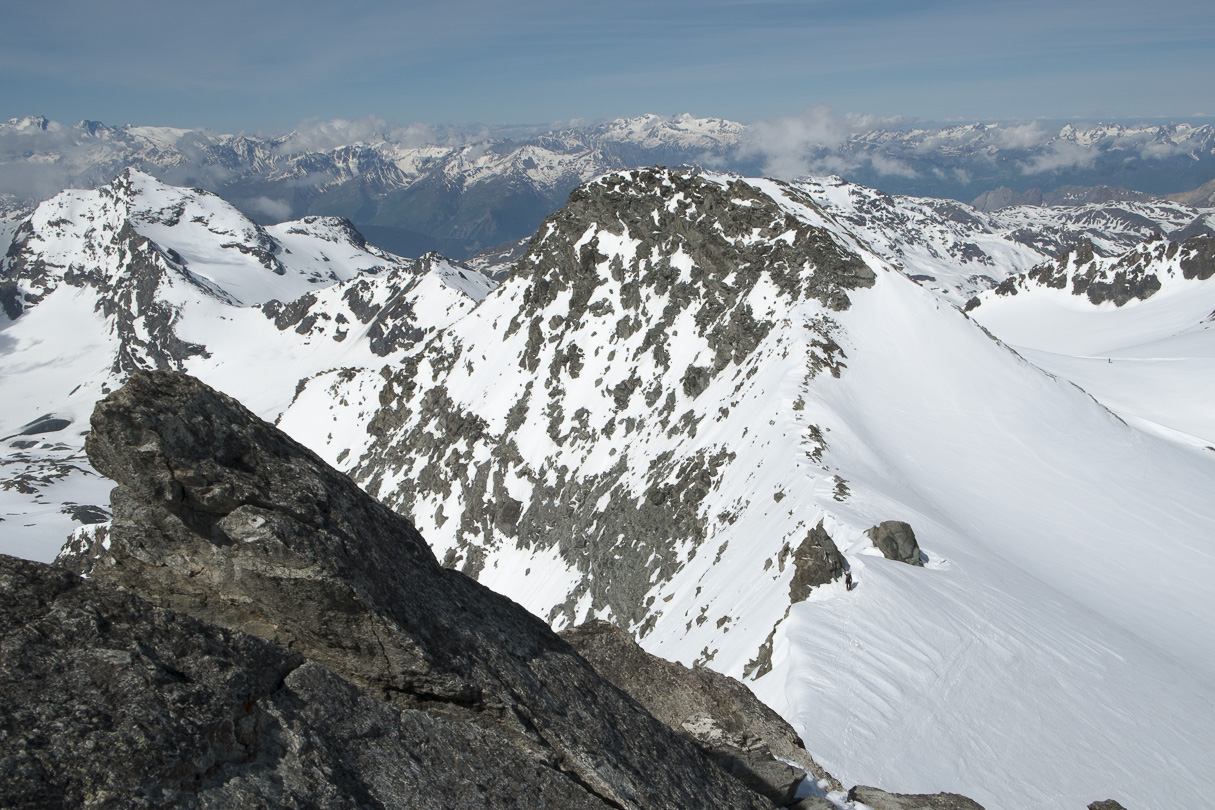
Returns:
(717,713)
(223,518)
(881,800)
(109,701)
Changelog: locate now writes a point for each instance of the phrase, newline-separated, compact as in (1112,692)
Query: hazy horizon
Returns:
(266,67)
(475,129)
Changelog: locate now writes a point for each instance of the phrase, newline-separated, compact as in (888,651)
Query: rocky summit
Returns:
(252,630)
(256,631)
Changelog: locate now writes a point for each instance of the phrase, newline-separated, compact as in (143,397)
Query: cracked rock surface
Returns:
(881,800)
(716,712)
(407,676)
(109,701)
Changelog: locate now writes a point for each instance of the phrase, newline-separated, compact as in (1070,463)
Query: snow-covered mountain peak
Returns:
(457,275)
(141,274)
(642,313)
(206,242)
(690,408)
(684,130)
(31,123)
(668,221)
(390,311)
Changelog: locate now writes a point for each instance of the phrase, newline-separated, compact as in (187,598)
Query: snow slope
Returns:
(687,374)
(140,274)
(1063,652)
(685,385)
(1149,356)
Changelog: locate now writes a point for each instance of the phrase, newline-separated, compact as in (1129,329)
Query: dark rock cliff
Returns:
(717,713)
(229,526)
(254,631)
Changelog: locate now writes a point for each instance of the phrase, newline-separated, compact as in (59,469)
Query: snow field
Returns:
(1057,647)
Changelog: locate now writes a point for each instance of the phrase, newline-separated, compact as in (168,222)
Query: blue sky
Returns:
(258,65)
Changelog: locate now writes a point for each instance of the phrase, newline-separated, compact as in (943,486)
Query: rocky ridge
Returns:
(140,275)
(1137,274)
(959,251)
(274,559)
(651,292)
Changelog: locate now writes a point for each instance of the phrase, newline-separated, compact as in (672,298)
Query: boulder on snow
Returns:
(896,540)
(816,561)
(1108,804)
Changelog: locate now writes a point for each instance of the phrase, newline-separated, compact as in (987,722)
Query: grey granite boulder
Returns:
(881,800)
(896,540)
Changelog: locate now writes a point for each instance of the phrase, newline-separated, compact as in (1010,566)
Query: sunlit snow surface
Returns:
(58,357)
(1056,649)
(1063,649)
(1152,361)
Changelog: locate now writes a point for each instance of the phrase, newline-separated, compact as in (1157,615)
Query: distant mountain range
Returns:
(413,190)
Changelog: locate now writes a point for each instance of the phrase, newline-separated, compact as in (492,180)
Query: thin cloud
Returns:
(811,143)
(275,210)
(1059,155)
(1020,136)
(891,166)
(795,145)
(326,135)
(323,136)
